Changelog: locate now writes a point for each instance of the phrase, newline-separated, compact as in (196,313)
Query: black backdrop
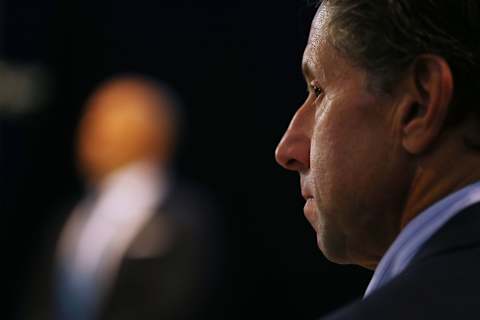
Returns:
(236,66)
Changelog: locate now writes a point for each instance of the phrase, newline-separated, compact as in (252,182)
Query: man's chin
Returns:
(333,249)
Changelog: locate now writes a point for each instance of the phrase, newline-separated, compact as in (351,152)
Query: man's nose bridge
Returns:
(299,128)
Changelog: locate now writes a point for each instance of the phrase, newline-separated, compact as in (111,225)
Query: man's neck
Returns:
(445,170)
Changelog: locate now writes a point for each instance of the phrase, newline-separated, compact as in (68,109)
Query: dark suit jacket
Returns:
(172,284)
(442,281)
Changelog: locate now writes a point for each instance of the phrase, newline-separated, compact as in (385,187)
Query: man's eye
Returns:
(316,91)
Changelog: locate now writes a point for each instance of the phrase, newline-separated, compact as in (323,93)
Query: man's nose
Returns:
(293,151)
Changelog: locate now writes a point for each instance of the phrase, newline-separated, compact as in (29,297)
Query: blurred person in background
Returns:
(140,244)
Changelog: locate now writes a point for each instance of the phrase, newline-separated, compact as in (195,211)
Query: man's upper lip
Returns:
(306,195)
(306,192)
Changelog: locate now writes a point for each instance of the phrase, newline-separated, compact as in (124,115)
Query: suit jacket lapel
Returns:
(462,231)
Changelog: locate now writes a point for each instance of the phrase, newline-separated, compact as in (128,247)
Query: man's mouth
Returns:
(309,211)
(306,194)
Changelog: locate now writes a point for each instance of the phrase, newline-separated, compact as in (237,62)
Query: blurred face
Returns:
(125,122)
(343,143)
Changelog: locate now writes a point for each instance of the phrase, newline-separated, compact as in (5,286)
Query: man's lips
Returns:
(307,193)
(309,211)
(306,188)
(307,196)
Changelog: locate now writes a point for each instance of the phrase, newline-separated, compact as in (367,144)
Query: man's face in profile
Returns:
(342,143)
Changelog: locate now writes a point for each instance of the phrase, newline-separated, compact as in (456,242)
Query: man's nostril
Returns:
(290,163)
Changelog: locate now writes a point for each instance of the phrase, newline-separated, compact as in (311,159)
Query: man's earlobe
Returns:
(430,81)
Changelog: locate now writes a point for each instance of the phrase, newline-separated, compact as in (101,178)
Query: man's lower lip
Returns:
(308,204)
(309,210)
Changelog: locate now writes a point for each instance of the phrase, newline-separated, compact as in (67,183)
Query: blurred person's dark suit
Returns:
(181,277)
(153,281)
(141,244)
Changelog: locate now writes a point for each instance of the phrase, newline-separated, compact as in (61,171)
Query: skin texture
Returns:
(127,119)
(370,162)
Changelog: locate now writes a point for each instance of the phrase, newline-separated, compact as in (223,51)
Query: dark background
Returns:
(236,66)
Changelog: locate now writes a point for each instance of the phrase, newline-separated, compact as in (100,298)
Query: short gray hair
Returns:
(385,36)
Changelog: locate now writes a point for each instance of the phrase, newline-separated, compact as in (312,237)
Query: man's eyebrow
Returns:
(313,72)
(307,72)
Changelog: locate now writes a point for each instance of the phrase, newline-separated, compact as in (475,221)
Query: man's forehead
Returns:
(316,41)
(318,28)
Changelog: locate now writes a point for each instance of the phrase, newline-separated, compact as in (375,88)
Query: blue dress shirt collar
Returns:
(418,231)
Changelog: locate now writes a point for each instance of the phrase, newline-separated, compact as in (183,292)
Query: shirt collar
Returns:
(418,231)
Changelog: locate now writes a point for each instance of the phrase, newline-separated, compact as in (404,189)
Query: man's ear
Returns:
(422,115)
